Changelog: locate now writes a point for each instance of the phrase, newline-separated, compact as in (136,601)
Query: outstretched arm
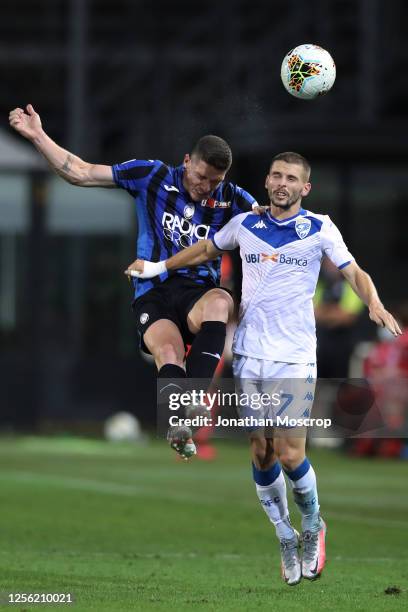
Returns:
(68,166)
(364,287)
(201,251)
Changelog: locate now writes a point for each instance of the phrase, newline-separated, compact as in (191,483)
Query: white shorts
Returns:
(274,389)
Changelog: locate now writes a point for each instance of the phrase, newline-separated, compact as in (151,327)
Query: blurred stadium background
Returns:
(120,79)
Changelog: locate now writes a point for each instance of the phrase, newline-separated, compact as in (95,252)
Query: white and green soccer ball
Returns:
(308,71)
(122,427)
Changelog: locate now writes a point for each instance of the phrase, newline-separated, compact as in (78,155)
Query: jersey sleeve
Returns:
(333,244)
(242,202)
(134,175)
(227,238)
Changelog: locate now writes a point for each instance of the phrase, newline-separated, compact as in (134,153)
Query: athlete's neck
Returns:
(278,212)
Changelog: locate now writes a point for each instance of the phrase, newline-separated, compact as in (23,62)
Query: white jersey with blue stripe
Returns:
(280,264)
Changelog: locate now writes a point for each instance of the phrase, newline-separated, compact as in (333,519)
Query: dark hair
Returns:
(214,151)
(293,158)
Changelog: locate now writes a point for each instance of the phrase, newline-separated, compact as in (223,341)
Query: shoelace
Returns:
(310,542)
(289,552)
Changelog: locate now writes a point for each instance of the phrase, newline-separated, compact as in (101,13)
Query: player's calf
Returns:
(271,490)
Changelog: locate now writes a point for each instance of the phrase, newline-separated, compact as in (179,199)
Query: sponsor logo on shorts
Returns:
(144,317)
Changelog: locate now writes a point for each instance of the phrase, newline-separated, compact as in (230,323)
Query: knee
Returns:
(168,353)
(219,308)
(290,457)
(262,453)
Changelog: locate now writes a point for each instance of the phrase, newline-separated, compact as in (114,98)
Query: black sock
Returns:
(206,350)
(170,373)
(171,380)
(169,370)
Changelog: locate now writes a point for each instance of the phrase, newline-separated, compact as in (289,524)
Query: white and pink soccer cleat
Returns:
(314,552)
(291,568)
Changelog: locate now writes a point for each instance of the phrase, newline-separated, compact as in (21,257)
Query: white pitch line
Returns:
(96,486)
(366,520)
(194,555)
(133,490)
(365,501)
(367,559)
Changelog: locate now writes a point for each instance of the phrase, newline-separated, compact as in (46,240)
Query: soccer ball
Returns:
(308,71)
(121,427)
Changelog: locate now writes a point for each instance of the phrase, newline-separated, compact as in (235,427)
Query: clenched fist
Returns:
(146,269)
(27,123)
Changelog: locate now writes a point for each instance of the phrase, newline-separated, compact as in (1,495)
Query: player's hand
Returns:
(28,123)
(382,317)
(137,266)
(260,210)
(146,269)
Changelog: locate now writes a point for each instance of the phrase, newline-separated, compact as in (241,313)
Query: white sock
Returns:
(274,502)
(303,483)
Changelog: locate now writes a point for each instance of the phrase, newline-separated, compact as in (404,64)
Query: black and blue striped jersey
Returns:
(168,220)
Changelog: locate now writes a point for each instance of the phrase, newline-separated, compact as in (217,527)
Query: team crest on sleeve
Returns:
(302,227)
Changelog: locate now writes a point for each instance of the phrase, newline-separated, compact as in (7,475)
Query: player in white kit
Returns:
(275,339)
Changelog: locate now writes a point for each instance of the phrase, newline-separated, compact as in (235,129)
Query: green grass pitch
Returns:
(128,527)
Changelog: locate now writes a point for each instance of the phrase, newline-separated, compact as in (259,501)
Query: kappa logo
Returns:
(171,188)
(259,225)
(302,227)
(211,203)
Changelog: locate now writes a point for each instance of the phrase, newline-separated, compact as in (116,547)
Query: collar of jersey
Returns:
(301,212)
